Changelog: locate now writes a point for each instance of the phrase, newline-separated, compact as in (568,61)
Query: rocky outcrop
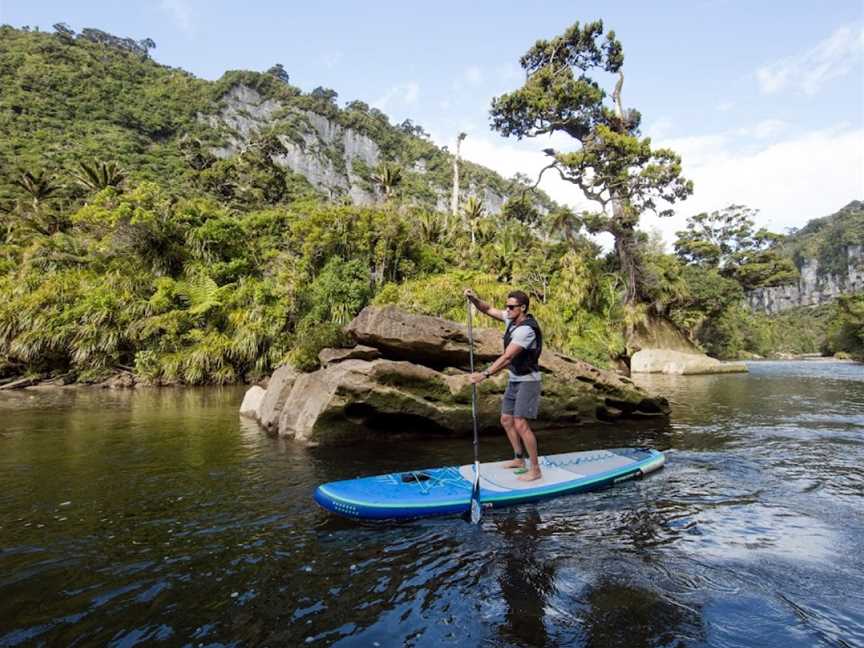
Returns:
(420,384)
(813,287)
(666,361)
(659,347)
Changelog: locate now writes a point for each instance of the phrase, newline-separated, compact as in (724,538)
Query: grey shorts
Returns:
(522,399)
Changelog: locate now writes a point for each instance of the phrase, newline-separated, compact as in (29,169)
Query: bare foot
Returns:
(531,475)
(516,463)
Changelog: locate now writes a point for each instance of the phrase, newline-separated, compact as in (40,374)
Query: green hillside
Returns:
(826,239)
(65,99)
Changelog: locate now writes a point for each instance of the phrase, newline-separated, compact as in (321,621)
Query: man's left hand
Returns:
(476,378)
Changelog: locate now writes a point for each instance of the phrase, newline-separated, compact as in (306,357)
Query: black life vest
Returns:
(528,360)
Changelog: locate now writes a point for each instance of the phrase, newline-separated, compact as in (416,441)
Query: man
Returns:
(523,343)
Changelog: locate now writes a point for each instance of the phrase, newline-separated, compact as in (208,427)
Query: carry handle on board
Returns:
(476,512)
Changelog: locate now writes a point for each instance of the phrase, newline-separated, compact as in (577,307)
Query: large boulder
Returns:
(252,402)
(419,386)
(426,340)
(278,388)
(660,347)
(676,362)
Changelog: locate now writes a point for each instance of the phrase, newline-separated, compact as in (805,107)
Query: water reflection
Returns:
(623,614)
(526,579)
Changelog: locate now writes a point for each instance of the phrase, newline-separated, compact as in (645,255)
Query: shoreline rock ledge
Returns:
(409,373)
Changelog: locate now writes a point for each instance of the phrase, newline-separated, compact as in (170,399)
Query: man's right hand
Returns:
(470,294)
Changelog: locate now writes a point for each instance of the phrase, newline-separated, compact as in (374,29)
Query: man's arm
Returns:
(505,359)
(483,307)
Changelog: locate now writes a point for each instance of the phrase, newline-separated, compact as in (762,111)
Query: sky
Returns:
(764,101)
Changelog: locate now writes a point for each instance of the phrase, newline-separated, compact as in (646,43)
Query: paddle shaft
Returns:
(475,491)
(473,385)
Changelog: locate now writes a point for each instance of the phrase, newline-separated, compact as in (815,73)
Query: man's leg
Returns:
(529,442)
(513,437)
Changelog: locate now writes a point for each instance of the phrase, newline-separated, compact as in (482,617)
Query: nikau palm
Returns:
(387,177)
(99,175)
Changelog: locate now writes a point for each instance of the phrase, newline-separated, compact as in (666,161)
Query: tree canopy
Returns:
(612,165)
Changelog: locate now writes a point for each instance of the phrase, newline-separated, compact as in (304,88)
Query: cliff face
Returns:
(813,287)
(334,159)
(321,151)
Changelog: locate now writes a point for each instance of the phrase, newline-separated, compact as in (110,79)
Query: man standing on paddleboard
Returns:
(523,343)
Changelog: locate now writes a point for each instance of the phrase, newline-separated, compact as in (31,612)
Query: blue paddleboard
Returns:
(447,491)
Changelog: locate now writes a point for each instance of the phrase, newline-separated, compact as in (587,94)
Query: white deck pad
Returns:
(556,469)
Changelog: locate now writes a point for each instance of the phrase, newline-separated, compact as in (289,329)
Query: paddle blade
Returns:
(476,511)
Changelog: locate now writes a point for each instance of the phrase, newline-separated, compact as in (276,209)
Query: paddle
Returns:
(476,512)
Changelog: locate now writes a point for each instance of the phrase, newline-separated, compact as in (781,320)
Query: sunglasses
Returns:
(512,306)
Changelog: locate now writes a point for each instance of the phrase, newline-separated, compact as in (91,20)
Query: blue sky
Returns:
(764,100)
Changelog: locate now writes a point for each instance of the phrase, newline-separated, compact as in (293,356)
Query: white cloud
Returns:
(181,13)
(726,106)
(808,71)
(402,94)
(765,129)
(790,181)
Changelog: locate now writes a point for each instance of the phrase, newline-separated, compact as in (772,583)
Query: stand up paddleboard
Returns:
(447,491)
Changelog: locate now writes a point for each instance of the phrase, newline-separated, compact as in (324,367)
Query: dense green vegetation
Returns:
(128,245)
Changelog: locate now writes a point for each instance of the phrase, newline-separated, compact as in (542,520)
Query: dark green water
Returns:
(160,517)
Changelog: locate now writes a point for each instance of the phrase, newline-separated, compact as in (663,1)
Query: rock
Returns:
(427,340)
(660,347)
(677,362)
(355,398)
(360,352)
(278,388)
(252,402)
(418,385)
(659,333)
(121,380)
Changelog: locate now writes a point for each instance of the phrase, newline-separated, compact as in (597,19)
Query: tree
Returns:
(473,210)
(64,31)
(726,240)
(454,200)
(99,175)
(280,73)
(387,177)
(39,188)
(612,166)
(520,209)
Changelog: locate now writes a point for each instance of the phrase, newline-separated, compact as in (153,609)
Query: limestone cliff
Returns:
(814,287)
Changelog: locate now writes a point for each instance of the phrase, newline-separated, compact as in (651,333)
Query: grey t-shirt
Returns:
(525,337)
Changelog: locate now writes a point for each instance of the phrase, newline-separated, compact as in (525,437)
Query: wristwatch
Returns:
(486,373)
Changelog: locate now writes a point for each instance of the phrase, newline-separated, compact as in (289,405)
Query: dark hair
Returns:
(521,297)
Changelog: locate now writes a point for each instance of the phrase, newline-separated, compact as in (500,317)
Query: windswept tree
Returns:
(612,165)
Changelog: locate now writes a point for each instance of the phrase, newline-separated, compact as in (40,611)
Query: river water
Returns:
(160,517)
